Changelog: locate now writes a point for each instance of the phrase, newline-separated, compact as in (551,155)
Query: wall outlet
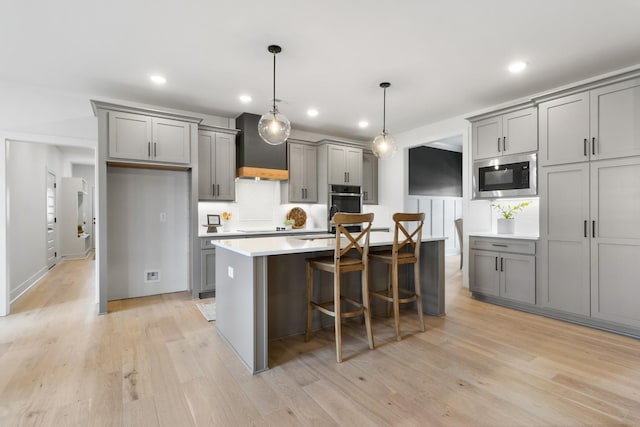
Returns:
(230,271)
(151,276)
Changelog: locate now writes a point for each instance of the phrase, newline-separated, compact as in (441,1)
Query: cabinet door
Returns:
(208,270)
(369,179)
(487,138)
(615,114)
(520,131)
(615,245)
(310,173)
(206,142)
(564,238)
(129,136)
(518,277)
(337,168)
(296,172)
(564,130)
(171,141)
(484,273)
(224,161)
(353,158)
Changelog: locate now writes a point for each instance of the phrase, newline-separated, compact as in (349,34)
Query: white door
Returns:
(52,254)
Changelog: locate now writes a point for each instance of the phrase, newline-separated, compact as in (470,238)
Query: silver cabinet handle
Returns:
(585,147)
(155,149)
(593,145)
(218,188)
(501,264)
(585,228)
(504,143)
(500,245)
(213,189)
(149,149)
(345,177)
(496,263)
(498,145)
(593,229)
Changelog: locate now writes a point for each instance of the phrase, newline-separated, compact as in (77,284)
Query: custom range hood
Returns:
(254,157)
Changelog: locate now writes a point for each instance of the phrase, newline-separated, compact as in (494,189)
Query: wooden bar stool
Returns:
(350,254)
(405,250)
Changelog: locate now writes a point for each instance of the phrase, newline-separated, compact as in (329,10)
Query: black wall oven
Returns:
(507,176)
(343,198)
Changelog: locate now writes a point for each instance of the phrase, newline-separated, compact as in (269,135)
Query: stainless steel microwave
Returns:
(506,176)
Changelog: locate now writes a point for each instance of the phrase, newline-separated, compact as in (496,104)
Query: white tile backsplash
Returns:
(527,220)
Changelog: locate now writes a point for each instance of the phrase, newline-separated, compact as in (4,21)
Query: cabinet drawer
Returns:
(526,247)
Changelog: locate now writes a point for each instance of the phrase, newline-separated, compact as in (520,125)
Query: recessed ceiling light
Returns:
(517,67)
(245,99)
(312,112)
(363,124)
(158,79)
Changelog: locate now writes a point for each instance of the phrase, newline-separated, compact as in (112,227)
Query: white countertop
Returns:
(282,245)
(505,236)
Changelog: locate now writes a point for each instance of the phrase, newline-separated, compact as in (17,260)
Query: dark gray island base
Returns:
(261,288)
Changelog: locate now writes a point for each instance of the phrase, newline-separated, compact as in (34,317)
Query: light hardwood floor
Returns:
(156,361)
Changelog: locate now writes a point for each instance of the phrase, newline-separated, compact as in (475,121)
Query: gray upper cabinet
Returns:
(511,133)
(591,125)
(141,137)
(615,118)
(369,179)
(344,165)
(303,173)
(216,165)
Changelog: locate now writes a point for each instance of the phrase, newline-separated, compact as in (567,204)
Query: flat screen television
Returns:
(435,172)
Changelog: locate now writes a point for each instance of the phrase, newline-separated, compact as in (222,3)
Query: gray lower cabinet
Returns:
(369,179)
(216,165)
(207,268)
(303,173)
(504,268)
(590,239)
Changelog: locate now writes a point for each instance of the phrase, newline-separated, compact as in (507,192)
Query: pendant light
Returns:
(273,127)
(384,146)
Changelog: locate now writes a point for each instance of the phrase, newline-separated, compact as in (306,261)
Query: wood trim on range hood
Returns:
(263,173)
(254,157)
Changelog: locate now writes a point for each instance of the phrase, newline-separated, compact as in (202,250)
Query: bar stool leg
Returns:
(337,310)
(307,336)
(396,304)
(367,307)
(418,292)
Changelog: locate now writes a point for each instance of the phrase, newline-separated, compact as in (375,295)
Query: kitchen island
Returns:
(261,287)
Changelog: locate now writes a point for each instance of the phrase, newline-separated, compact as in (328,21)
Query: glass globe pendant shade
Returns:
(274,128)
(384,146)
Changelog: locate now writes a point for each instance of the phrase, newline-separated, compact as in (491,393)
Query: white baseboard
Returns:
(16,293)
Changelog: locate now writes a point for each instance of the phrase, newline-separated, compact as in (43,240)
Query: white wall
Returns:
(139,239)
(26,200)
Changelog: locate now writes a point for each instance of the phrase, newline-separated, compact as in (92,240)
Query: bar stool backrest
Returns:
(403,240)
(361,240)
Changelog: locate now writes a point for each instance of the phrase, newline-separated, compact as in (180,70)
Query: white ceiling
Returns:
(443,58)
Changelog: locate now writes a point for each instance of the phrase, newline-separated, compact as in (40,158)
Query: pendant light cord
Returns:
(384,110)
(274,83)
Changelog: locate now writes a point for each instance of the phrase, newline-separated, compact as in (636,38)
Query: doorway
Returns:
(52,254)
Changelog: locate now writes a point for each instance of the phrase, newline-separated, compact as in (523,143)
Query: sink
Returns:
(316,237)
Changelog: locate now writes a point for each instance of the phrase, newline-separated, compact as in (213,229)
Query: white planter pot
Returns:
(506,226)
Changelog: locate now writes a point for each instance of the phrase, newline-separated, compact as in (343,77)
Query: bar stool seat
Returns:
(405,250)
(357,249)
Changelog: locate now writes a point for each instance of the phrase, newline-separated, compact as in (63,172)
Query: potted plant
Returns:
(506,224)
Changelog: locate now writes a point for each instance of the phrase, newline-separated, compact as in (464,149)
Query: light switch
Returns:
(230,271)
(163,217)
